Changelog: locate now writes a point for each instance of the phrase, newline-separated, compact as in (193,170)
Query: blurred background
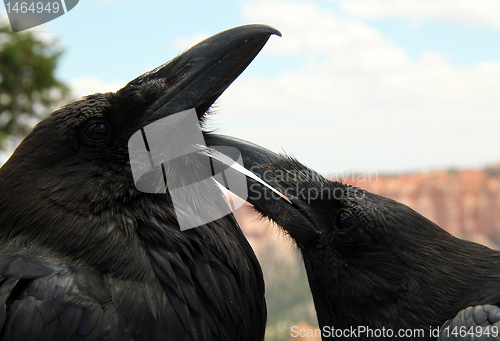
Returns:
(399,97)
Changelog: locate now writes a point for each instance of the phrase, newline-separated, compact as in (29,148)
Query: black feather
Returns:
(376,263)
(84,255)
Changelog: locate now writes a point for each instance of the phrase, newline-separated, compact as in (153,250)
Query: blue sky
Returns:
(352,86)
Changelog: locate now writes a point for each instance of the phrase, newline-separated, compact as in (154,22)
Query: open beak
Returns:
(266,193)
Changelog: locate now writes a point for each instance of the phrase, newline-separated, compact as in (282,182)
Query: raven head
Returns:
(71,175)
(370,261)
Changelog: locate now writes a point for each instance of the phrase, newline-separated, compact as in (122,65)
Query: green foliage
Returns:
(28,87)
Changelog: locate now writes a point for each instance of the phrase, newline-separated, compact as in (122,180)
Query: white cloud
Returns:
(477,12)
(359,102)
(320,24)
(89,85)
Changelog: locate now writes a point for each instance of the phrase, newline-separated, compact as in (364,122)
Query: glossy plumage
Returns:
(371,261)
(84,255)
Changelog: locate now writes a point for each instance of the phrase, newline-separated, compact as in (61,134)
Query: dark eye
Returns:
(345,221)
(97,131)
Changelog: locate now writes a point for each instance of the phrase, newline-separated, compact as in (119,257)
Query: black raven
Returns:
(86,256)
(376,268)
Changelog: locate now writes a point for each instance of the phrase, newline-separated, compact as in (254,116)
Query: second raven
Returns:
(376,268)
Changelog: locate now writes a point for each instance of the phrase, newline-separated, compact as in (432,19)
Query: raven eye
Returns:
(97,131)
(345,221)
